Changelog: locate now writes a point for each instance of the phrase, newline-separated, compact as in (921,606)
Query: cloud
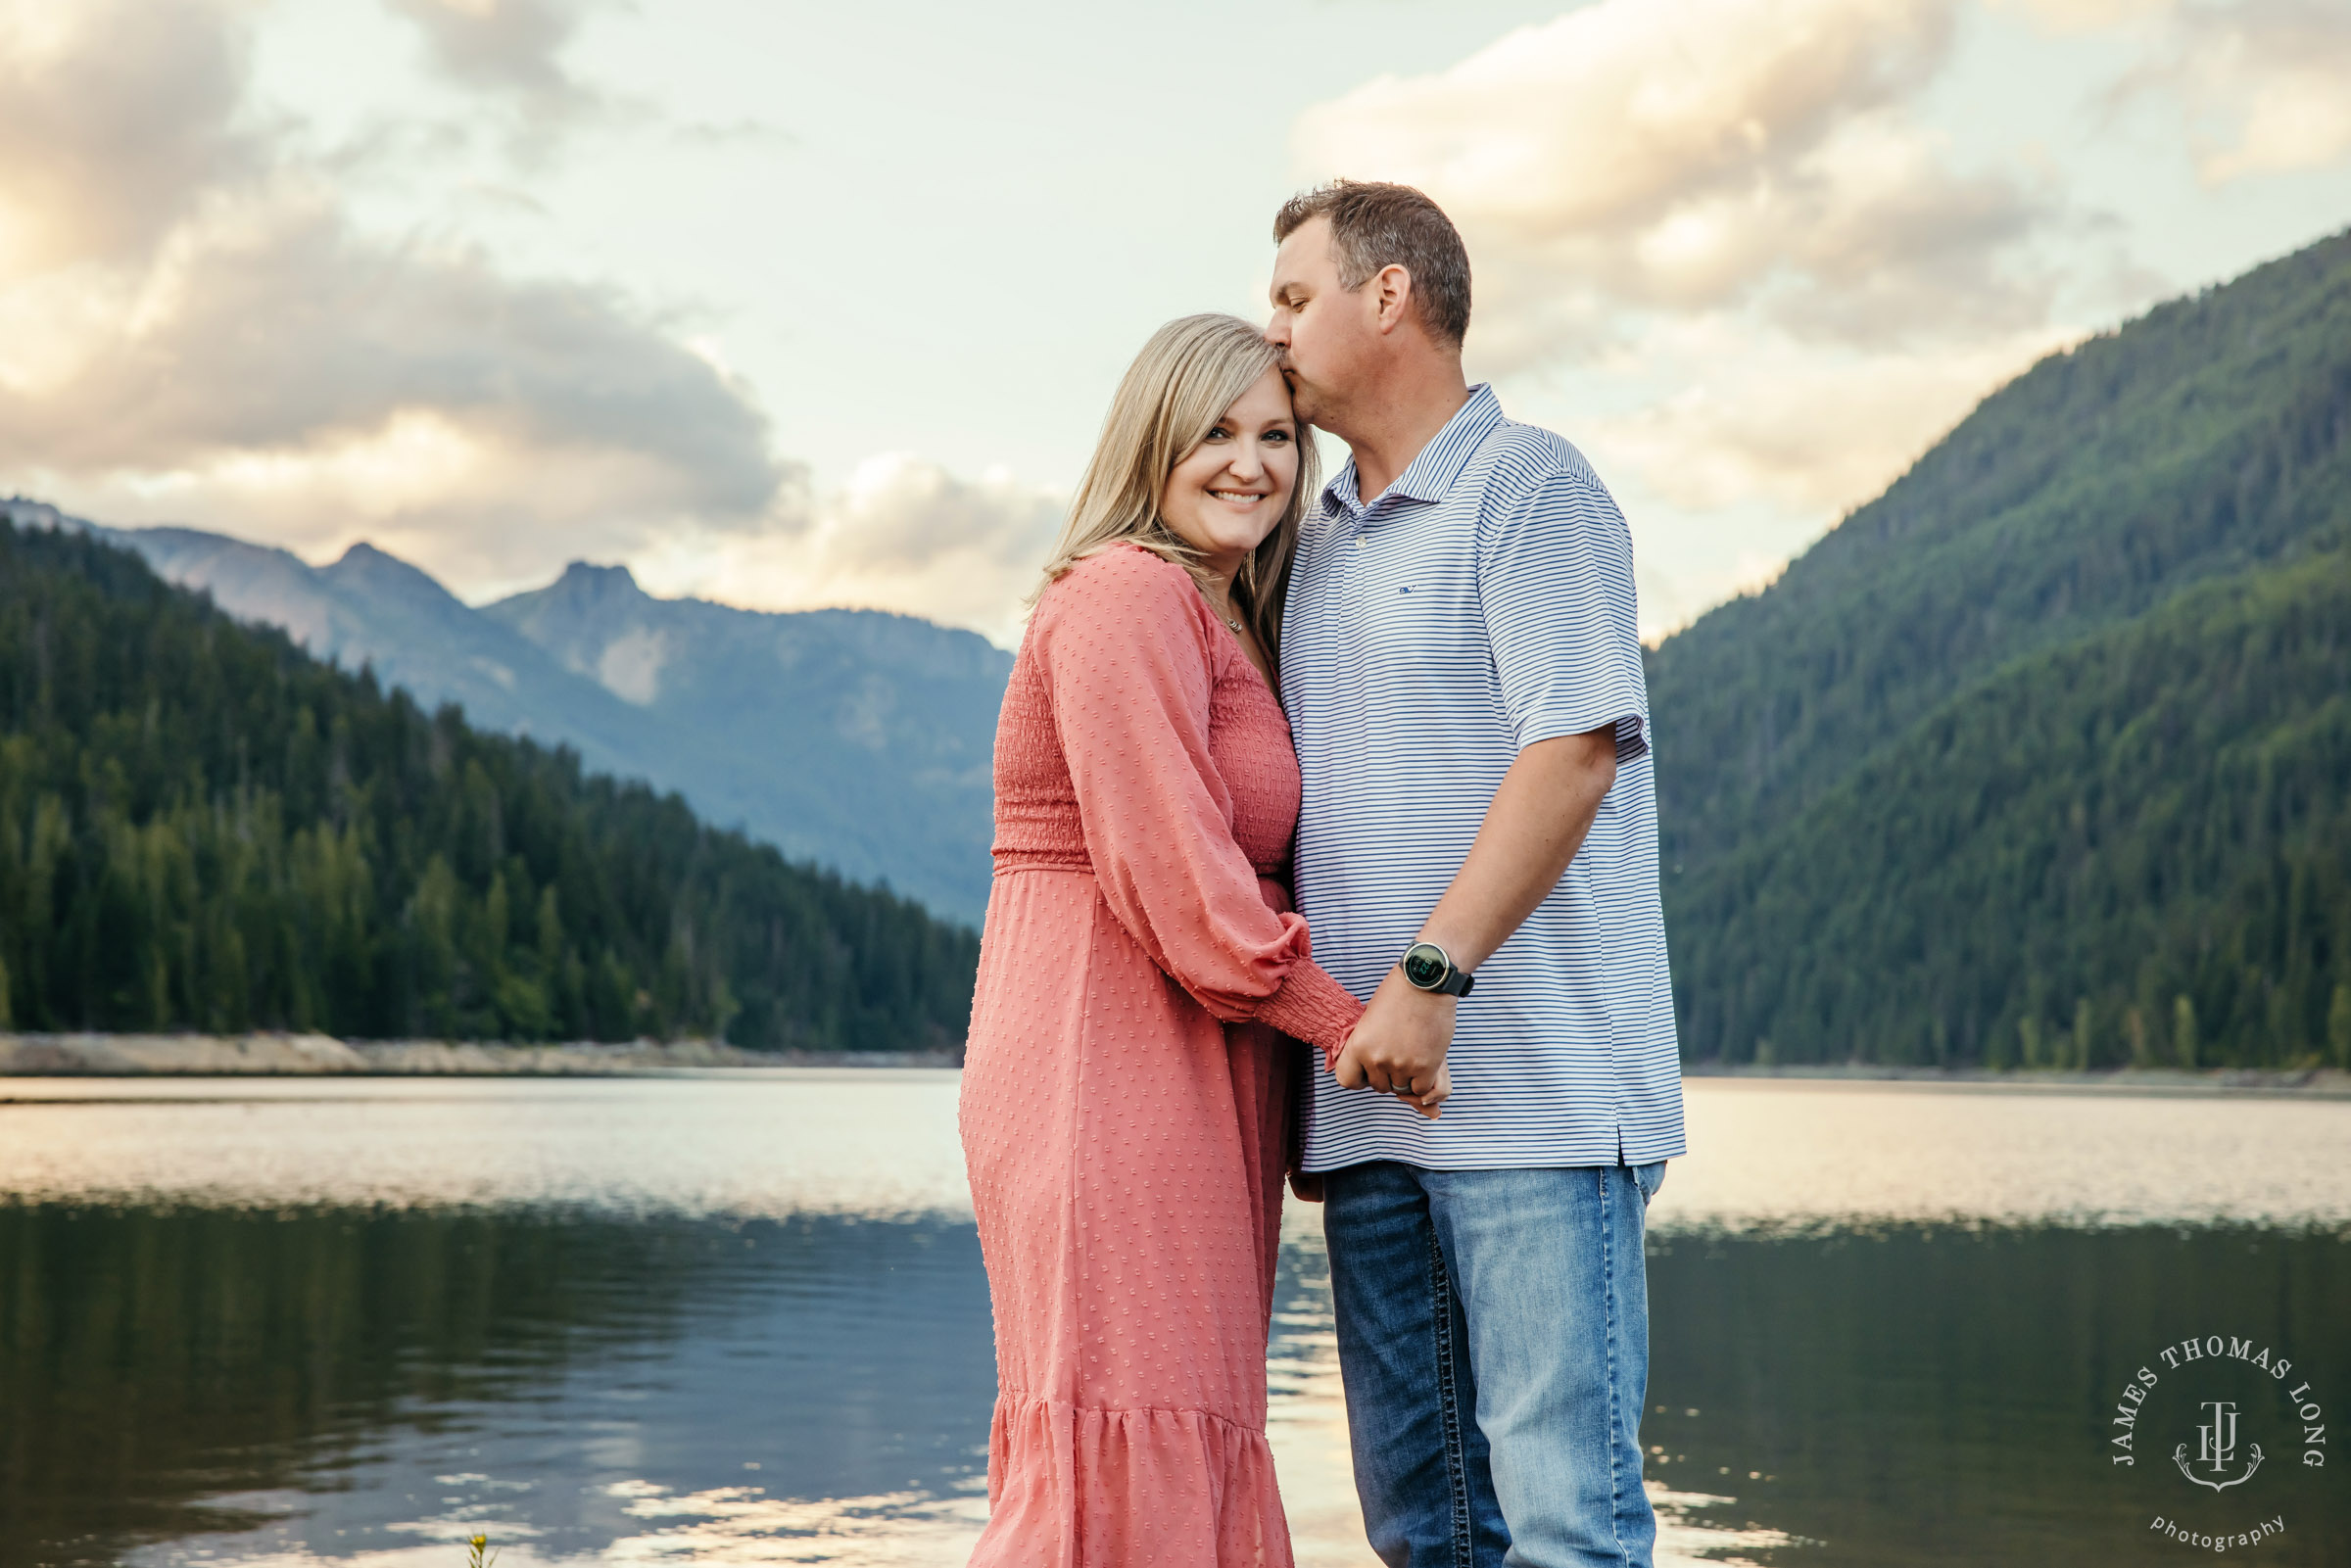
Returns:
(2081,16)
(899,512)
(510,50)
(903,534)
(103,150)
(507,57)
(1681,155)
(2260,84)
(196,330)
(2265,85)
(281,330)
(1725,245)
(1764,416)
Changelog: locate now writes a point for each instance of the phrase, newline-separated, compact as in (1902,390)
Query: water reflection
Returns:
(744,1320)
(1929,1395)
(331,1382)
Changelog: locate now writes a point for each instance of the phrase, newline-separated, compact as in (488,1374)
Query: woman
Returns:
(1124,1093)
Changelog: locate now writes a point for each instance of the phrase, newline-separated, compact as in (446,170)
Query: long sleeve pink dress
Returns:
(1126,1090)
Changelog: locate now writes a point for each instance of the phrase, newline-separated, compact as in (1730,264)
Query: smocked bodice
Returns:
(1254,770)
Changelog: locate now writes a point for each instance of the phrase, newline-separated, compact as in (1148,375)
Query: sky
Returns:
(786,305)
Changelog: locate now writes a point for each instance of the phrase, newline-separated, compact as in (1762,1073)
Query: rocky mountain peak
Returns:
(856,740)
(587,580)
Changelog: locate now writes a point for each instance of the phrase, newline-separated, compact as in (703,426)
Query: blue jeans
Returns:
(1494,1341)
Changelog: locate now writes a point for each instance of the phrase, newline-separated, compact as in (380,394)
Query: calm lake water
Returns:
(741,1318)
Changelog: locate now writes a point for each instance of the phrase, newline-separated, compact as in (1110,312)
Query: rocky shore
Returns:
(132,1055)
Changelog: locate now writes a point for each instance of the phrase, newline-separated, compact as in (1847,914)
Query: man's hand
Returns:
(1536,823)
(1399,1048)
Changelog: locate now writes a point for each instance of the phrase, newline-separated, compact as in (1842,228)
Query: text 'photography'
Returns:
(1532,783)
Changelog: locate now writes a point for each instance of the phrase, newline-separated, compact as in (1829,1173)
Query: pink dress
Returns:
(1125,1096)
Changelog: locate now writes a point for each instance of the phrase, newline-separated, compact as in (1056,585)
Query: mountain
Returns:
(861,738)
(373,609)
(2044,754)
(858,739)
(202,827)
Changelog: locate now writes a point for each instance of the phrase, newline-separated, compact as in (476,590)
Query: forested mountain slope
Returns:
(371,609)
(2210,435)
(203,827)
(2044,756)
(857,737)
(2133,848)
(860,740)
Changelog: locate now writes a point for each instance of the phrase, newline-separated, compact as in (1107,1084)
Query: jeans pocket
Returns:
(1649,1178)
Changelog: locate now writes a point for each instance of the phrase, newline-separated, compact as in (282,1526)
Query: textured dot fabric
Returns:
(1127,1081)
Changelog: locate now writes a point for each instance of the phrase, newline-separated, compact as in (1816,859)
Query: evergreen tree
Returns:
(2043,758)
(202,828)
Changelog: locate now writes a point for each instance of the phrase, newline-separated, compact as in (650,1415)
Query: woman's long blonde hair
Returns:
(1192,370)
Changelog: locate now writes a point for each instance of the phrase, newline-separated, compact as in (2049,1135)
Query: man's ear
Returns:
(1395,286)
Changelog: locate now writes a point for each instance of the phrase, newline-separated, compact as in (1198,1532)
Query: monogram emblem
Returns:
(2216,1448)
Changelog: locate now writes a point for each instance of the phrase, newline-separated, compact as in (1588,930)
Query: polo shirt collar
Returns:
(1432,473)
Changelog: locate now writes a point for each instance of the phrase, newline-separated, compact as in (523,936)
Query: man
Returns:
(1463,679)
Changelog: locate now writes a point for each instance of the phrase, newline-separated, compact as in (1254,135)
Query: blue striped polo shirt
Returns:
(1482,603)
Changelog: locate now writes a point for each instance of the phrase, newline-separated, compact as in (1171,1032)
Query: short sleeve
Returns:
(1556,580)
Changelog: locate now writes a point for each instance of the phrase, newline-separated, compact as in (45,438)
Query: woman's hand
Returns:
(1399,1047)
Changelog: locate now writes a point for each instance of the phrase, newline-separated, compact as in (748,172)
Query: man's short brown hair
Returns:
(1374,225)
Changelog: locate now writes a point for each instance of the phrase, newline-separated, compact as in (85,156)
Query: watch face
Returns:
(1425,965)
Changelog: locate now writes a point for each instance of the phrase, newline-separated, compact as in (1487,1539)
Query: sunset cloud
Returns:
(903,534)
(1812,431)
(1682,156)
(120,119)
(197,331)
(2265,85)
(497,284)
(2259,83)
(1731,241)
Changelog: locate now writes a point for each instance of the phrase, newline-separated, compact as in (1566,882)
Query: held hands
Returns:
(1399,1047)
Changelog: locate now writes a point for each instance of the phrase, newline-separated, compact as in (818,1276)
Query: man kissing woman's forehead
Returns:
(1326,848)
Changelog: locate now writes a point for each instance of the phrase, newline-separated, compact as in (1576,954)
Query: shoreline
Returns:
(267,1055)
(276,1055)
(2325,1083)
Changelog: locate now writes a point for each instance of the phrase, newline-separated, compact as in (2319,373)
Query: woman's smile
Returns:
(1226,494)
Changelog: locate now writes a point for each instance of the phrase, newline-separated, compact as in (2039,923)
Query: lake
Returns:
(741,1318)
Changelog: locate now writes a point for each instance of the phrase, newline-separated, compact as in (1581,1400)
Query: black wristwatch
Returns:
(1431,969)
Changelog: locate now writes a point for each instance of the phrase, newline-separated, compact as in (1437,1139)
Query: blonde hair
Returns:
(1192,371)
